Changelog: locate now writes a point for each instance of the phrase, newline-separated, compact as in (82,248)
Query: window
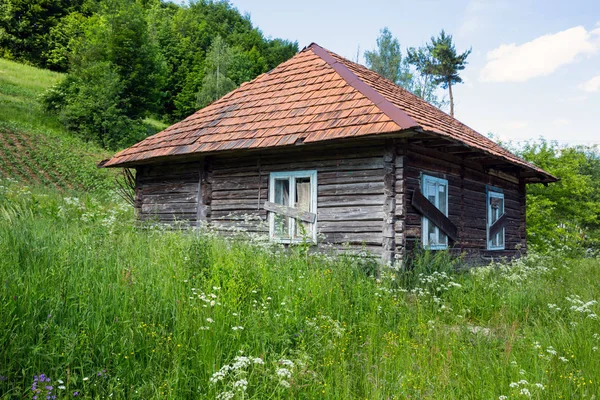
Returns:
(495,210)
(436,191)
(297,189)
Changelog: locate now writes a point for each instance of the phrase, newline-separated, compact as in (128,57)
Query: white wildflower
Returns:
(242,384)
(525,392)
(563,359)
(225,396)
(210,320)
(502,398)
(284,383)
(62,387)
(283,372)
(540,386)
(258,360)
(287,363)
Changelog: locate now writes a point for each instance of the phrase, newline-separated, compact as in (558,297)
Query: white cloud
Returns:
(593,85)
(539,57)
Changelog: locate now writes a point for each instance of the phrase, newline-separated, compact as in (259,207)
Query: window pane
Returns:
(431,193)
(496,210)
(282,191)
(443,207)
(432,234)
(495,206)
(302,202)
(282,196)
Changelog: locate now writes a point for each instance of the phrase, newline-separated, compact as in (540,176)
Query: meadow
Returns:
(95,305)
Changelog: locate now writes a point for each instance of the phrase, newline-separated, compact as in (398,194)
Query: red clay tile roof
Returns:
(314,96)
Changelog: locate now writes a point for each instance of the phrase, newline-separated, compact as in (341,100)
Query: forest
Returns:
(130,60)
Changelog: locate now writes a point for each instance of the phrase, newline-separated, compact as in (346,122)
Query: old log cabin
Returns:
(325,150)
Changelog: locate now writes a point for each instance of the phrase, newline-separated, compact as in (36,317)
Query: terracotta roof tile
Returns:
(314,96)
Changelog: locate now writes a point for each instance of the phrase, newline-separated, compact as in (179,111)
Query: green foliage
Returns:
(25,27)
(185,34)
(446,63)
(565,213)
(423,85)
(115,77)
(387,60)
(216,82)
(116,311)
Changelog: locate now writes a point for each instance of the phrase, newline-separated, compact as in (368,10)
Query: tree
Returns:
(216,83)
(423,85)
(387,60)
(115,77)
(25,27)
(446,63)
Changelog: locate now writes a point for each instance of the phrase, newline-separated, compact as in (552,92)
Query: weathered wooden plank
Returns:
(290,212)
(434,215)
(350,213)
(320,166)
(498,225)
(170,208)
(184,197)
(357,199)
(350,188)
(369,238)
(348,226)
(239,194)
(169,188)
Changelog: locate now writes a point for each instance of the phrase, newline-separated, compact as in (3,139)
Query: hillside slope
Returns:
(34,147)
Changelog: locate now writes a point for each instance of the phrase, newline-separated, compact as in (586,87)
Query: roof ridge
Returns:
(393,112)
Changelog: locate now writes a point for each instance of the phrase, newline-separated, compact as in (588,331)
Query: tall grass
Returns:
(116,310)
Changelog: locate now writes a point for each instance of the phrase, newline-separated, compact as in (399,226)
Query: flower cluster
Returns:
(42,388)
(582,307)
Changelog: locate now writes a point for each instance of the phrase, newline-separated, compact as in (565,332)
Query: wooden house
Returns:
(325,150)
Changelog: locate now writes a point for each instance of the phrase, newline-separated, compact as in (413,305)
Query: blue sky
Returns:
(534,70)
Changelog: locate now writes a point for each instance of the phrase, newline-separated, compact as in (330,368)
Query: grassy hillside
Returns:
(105,310)
(34,147)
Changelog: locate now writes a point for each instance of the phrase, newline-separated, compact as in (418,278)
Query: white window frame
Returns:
(494,193)
(425,221)
(292,175)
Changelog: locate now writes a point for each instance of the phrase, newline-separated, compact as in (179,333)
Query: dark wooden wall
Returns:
(350,191)
(467,203)
(168,192)
(363,196)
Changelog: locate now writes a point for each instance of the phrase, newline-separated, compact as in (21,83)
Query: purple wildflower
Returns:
(75,394)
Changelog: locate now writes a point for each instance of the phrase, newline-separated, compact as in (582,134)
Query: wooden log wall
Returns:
(467,203)
(169,192)
(350,191)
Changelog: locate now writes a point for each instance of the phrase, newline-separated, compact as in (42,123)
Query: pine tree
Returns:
(446,63)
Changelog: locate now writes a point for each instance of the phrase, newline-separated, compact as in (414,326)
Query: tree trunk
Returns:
(451,98)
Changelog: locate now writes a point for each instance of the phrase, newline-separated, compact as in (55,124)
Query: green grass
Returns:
(115,310)
(34,146)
